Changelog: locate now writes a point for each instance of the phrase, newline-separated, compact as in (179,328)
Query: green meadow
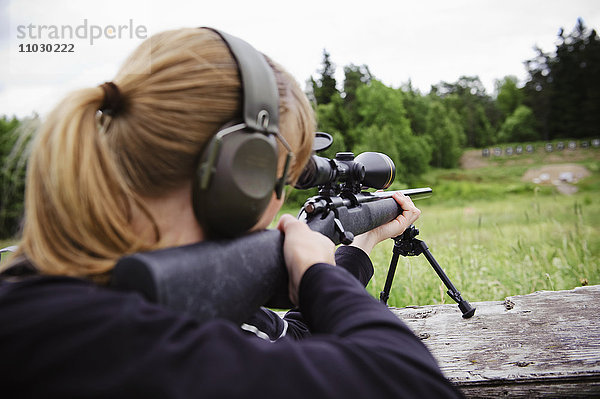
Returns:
(496,248)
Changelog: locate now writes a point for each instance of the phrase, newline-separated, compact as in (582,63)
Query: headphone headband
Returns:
(261,96)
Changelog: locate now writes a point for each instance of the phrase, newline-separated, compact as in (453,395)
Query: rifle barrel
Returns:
(413,193)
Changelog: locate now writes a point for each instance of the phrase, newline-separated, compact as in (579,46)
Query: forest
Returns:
(560,99)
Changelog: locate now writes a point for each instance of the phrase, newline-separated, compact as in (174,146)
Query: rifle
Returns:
(232,278)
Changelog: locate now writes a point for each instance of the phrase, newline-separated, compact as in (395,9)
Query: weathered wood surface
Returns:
(543,344)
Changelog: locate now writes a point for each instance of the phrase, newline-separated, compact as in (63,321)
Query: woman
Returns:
(100,189)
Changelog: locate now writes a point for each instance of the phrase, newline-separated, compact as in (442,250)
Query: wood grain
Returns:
(542,344)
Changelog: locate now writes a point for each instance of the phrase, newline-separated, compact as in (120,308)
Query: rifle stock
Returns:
(227,279)
(232,278)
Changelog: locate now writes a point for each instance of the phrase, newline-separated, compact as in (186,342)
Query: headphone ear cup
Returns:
(242,180)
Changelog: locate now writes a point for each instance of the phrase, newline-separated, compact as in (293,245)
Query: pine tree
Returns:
(564,88)
(325,86)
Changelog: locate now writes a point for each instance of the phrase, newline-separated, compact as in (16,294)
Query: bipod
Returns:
(407,244)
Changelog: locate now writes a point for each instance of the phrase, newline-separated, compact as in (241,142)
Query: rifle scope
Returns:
(369,169)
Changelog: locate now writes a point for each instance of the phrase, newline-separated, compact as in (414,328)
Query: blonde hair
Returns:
(82,184)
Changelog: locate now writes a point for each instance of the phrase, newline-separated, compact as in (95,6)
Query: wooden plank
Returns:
(542,344)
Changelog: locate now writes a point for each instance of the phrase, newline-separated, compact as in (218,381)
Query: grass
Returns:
(494,249)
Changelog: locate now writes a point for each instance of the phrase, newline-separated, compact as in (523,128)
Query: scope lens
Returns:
(380,170)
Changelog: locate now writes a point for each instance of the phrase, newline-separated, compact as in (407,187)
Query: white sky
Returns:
(427,41)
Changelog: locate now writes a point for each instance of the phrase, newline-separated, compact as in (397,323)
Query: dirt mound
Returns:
(561,175)
(551,174)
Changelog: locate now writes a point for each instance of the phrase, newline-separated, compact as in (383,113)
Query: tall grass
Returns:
(492,249)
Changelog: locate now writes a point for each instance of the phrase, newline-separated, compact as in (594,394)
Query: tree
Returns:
(509,96)
(15,138)
(354,77)
(519,126)
(325,87)
(385,128)
(476,109)
(417,106)
(339,114)
(575,104)
(563,89)
(446,134)
(333,119)
(537,90)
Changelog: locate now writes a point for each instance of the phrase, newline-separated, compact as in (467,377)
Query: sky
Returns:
(425,41)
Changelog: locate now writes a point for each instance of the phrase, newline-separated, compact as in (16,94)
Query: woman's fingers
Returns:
(410,213)
(302,248)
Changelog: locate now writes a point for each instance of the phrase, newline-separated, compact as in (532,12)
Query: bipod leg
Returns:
(385,294)
(403,245)
(464,305)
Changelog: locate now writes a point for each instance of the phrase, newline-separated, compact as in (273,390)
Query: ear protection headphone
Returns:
(236,175)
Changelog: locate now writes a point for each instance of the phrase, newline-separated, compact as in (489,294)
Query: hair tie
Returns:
(113,102)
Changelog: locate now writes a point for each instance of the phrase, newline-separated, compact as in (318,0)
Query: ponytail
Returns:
(78,206)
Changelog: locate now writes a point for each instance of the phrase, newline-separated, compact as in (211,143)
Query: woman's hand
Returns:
(368,240)
(302,248)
